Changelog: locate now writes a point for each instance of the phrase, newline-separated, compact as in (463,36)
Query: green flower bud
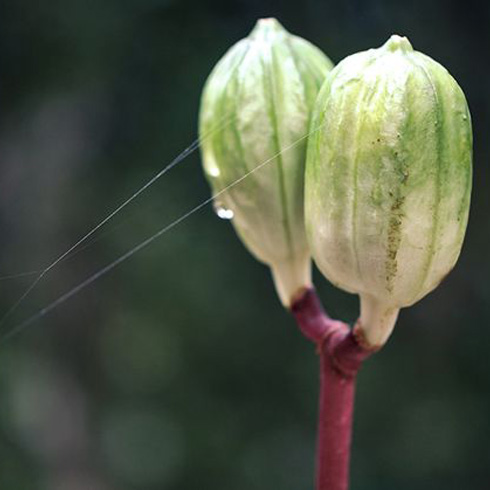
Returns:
(388,179)
(262,91)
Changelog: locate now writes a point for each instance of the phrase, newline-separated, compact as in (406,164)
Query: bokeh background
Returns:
(180,370)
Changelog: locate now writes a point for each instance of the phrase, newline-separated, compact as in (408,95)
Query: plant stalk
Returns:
(342,351)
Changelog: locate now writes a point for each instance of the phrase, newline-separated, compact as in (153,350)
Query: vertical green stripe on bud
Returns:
(388,179)
(262,92)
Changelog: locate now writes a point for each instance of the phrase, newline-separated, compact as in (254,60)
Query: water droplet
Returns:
(222,212)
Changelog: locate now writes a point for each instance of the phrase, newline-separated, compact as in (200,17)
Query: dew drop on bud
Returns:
(222,212)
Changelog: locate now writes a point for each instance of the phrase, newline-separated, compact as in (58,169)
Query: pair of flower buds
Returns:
(366,167)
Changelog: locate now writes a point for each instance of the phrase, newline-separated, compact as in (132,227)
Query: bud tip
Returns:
(398,43)
(266,27)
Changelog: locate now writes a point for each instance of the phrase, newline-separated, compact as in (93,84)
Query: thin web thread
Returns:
(42,273)
(102,272)
(19,275)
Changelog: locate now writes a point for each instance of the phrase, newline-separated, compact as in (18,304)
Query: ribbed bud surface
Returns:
(388,179)
(260,95)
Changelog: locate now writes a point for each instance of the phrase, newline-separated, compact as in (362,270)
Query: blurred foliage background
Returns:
(180,370)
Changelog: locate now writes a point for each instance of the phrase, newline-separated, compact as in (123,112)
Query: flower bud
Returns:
(388,179)
(261,95)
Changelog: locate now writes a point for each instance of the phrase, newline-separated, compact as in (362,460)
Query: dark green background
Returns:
(180,370)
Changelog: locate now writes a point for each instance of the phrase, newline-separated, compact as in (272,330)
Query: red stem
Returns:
(341,351)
